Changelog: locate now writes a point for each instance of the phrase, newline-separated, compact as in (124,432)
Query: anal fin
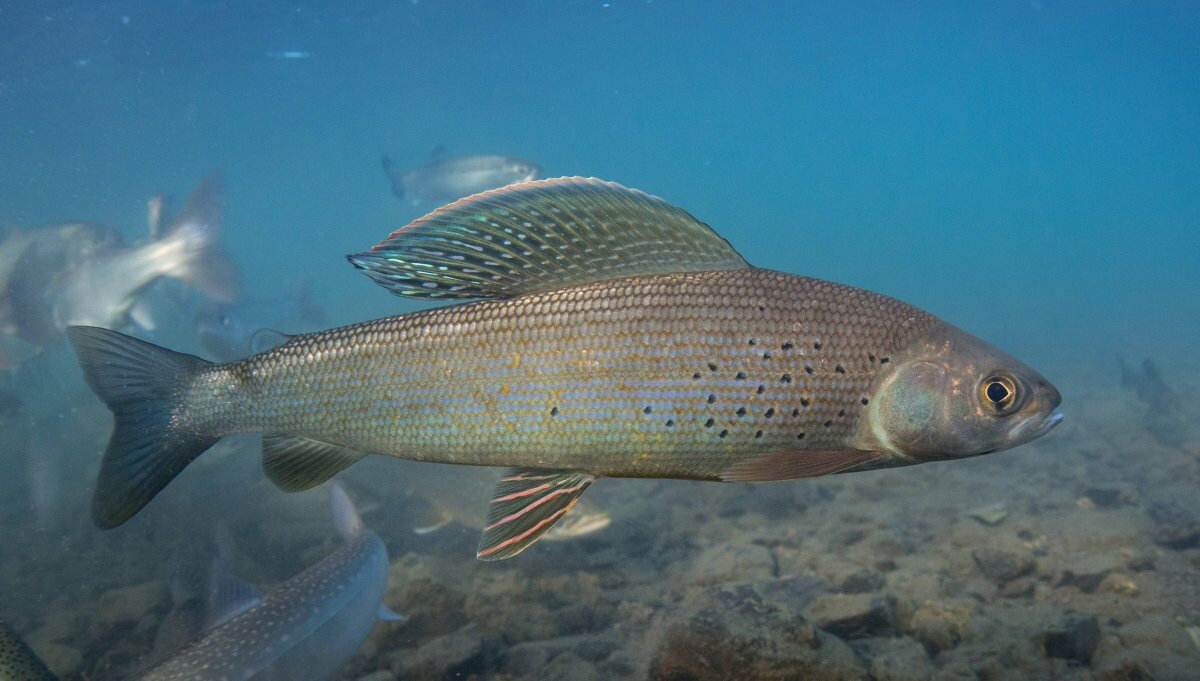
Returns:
(803,463)
(525,504)
(295,464)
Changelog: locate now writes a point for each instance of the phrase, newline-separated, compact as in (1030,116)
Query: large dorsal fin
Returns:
(539,236)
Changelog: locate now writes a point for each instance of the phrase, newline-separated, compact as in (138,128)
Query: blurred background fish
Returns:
(303,629)
(105,288)
(447,177)
(232,330)
(83,272)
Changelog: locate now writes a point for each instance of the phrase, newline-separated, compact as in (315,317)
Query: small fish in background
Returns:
(105,289)
(289,54)
(302,630)
(446,177)
(228,331)
(1165,418)
(611,334)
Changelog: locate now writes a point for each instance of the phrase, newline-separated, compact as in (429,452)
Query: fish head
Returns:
(951,395)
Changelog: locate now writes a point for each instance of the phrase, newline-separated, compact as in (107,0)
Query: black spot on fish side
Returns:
(761,389)
(696,376)
(741,412)
(808,369)
(770,412)
(757,434)
(787,346)
(865,401)
(712,367)
(766,356)
(840,369)
(828,423)
(884,360)
(670,422)
(800,436)
(804,402)
(723,433)
(841,413)
(647,410)
(786,378)
(817,345)
(709,423)
(712,398)
(753,342)
(795,412)
(554,411)
(740,376)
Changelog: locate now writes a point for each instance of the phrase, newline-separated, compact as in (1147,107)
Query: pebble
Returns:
(129,604)
(458,653)
(941,625)
(1075,639)
(852,616)
(862,581)
(990,515)
(733,632)
(1002,566)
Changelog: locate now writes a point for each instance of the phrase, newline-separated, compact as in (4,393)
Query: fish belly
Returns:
(676,375)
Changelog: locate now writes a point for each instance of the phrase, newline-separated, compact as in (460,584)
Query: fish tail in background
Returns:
(143,385)
(199,259)
(345,517)
(394,174)
(18,662)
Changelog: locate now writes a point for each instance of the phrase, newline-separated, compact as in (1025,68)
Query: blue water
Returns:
(1028,170)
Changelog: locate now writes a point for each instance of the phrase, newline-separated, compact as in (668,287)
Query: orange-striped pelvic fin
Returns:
(527,503)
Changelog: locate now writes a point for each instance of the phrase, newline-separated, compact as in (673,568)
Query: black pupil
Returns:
(996,392)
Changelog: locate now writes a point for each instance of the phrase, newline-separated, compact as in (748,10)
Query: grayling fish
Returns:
(229,330)
(31,261)
(103,289)
(446,178)
(304,629)
(617,336)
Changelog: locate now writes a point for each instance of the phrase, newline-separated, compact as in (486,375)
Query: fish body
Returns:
(449,177)
(31,262)
(305,628)
(302,630)
(618,337)
(103,289)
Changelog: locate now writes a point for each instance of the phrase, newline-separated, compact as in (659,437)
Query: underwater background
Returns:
(1028,171)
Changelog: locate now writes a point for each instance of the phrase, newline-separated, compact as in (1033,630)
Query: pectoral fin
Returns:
(295,464)
(525,505)
(802,463)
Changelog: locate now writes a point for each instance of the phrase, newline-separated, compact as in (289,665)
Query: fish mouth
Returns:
(1034,428)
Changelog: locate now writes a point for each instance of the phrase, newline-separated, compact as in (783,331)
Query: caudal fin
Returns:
(143,385)
(200,260)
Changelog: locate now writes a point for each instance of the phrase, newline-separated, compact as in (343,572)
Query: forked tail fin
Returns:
(200,260)
(144,387)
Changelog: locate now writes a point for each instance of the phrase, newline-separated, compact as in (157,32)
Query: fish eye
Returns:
(1000,393)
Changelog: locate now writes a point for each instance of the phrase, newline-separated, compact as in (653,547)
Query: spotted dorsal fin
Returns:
(540,236)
